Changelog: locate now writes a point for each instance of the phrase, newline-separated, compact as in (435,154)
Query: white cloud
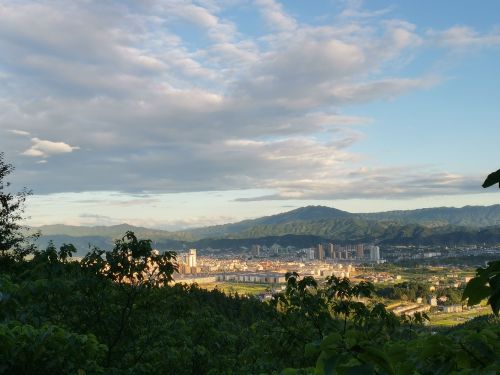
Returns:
(275,16)
(461,37)
(383,89)
(45,148)
(390,183)
(158,108)
(204,17)
(19,132)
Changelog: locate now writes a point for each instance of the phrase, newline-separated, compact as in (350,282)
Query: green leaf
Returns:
(330,364)
(332,340)
(377,357)
(494,301)
(364,369)
(312,349)
(476,290)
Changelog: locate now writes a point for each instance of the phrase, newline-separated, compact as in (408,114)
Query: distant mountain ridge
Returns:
(309,213)
(449,225)
(471,216)
(112,231)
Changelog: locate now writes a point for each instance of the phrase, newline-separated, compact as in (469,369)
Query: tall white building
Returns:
(191,258)
(256,250)
(375,253)
(310,253)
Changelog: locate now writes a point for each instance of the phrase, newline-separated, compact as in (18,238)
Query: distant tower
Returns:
(311,253)
(276,248)
(319,252)
(331,250)
(375,253)
(256,250)
(360,251)
(192,258)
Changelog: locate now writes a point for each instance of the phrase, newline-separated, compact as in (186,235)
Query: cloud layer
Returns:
(171,96)
(44,148)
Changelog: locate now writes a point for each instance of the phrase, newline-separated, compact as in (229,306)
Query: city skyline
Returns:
(178,114)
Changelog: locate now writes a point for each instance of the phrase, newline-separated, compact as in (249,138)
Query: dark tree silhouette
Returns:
(14,240)
(486,284)
(492,179)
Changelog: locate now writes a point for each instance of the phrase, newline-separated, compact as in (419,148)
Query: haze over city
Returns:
(174,114)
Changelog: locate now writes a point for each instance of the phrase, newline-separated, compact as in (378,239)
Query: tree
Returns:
(14,242)
(49,349)
(492,179)
(133,262)
(134,267)
(486,284)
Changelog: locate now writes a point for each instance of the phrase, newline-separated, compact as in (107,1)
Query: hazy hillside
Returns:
(472,216)
(384,234)
(426,226)
(289,222)
(82,243)
(300,214)
(110,232)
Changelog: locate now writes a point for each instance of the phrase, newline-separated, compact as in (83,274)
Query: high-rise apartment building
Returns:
(319,252)
(360,251)
(256,250)
(191,258)
(310,253)
(374,253)
(330,253)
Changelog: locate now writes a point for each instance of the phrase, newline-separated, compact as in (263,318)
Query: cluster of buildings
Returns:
(208,269)
(420,306)
(358,252)
(410,309)
(438,252)
(188,263)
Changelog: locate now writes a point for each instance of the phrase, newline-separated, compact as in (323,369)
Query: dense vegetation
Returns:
(117,312)
(95,315)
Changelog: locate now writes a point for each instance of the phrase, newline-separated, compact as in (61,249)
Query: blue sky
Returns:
(184,113)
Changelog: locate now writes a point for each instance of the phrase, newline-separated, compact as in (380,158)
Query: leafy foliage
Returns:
(132,261)
(486,285)
(48,349)
(13,241)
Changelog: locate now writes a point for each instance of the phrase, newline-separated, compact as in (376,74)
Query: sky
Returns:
(174,114)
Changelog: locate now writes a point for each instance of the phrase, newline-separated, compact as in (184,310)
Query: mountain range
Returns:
(442,225)
(469,216)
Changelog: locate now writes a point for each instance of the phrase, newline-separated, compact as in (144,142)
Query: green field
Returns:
(240,288)
(452,319)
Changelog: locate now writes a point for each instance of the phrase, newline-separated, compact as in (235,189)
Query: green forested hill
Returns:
(297,234)
(425,226)
(318,220)
(309,213)
(473,216)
